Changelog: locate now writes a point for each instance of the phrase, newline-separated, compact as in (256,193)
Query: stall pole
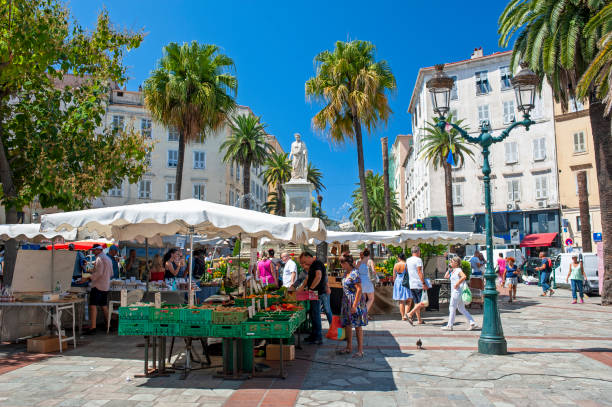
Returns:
(191,231)
(147,262)
(53,266)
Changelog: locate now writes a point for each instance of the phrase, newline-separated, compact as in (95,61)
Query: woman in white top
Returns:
(364,266)
(457,282)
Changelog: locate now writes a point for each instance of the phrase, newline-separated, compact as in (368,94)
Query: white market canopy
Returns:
(188,216)
(31,232)
(401,237)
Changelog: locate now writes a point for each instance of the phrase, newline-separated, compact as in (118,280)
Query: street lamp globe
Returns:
(525,84)
(440,87)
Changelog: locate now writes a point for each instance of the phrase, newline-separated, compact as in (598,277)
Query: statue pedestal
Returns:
(298,195)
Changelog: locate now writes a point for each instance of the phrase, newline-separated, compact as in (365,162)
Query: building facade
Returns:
(524,182)
(575,154)
(397,175)
(205,175)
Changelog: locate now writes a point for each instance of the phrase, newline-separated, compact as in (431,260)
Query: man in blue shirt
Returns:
(475,263)
(113,251)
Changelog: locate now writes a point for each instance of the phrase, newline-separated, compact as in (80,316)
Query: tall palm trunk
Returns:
(585,218)
(280,210)
(448,183)
(178,185)
(385,157)
(367,221)
(246,185)
(602,140)
(8,188)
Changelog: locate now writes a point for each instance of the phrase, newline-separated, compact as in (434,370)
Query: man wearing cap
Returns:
(100,285)
(113,251)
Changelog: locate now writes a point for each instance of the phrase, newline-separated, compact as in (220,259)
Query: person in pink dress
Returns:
(501,268)
(264,271)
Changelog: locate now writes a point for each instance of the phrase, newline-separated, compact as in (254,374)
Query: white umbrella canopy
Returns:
(396,237)
(188,216)
(31,232)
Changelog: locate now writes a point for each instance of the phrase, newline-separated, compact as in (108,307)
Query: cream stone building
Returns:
(574,154)
(205,175)
(397,174)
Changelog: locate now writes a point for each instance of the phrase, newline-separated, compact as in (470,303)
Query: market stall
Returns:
(405,238)
(190,217)
(36,292)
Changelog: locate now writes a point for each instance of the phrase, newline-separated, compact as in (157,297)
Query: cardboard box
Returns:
(273,352)
(43,344)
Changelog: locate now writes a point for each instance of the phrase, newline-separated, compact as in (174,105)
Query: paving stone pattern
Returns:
(557,350)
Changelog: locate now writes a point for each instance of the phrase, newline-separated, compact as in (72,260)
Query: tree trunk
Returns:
(178,185)
(602,140)
(246,185)
(281,201)
(448,183)
(367,221)
(10,192)
(585,218)
(385,157)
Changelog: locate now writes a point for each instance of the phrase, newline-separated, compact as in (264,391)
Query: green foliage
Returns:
(315,177)
(552,39)
(395,250)
(54,85)
(598,75)
(466,268)
(428,251)
(387,265)
(437,144)
(246,146)
(193,91)
(376,198)
(278,172)
(236,250)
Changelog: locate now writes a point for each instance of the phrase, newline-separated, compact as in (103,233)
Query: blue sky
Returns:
(273,44)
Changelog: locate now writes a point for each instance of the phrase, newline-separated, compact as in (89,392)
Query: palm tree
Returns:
(598,75)
(435,150)
(278,172)
(385,158)
(192,91)
(555,42)
(315,177)
(353,87)
(376,195)
(247,146)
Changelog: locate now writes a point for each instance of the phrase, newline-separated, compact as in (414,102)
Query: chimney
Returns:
(477,53)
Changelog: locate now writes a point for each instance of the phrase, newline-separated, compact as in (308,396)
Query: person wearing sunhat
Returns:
(576,276)
(112,254)
(100,285)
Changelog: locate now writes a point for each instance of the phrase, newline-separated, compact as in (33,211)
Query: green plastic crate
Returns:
(275,325)
(165,314)
(198,315)
(134,327)
(247,302)
(138,313)
(165,328)
(226,331)
(233,317)
(194,329)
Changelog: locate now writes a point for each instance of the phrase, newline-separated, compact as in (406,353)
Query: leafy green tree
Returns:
(247,146)
(376,196)
(354,88)
(278,172)
(54,86)
(554,40)
(435,148)
(193,91)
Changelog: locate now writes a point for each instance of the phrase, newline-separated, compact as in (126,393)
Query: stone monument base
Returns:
(298,193)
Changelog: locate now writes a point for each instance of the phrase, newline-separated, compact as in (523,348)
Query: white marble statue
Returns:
(299,159)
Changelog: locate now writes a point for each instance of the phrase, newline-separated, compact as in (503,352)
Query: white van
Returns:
(561,266)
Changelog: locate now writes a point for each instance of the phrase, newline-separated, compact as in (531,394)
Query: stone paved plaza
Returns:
(560,354)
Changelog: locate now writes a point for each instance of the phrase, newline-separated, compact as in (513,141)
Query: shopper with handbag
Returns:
(401,286)
(457,280)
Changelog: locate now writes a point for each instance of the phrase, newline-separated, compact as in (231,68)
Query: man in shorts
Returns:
(417,283)
(100,285)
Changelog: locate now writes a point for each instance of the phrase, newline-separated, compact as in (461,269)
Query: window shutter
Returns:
(510,191)
(508,152)
(517,190)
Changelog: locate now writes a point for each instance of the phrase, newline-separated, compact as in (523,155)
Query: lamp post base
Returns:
(492,346)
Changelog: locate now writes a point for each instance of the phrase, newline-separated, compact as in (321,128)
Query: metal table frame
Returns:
(54,312)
